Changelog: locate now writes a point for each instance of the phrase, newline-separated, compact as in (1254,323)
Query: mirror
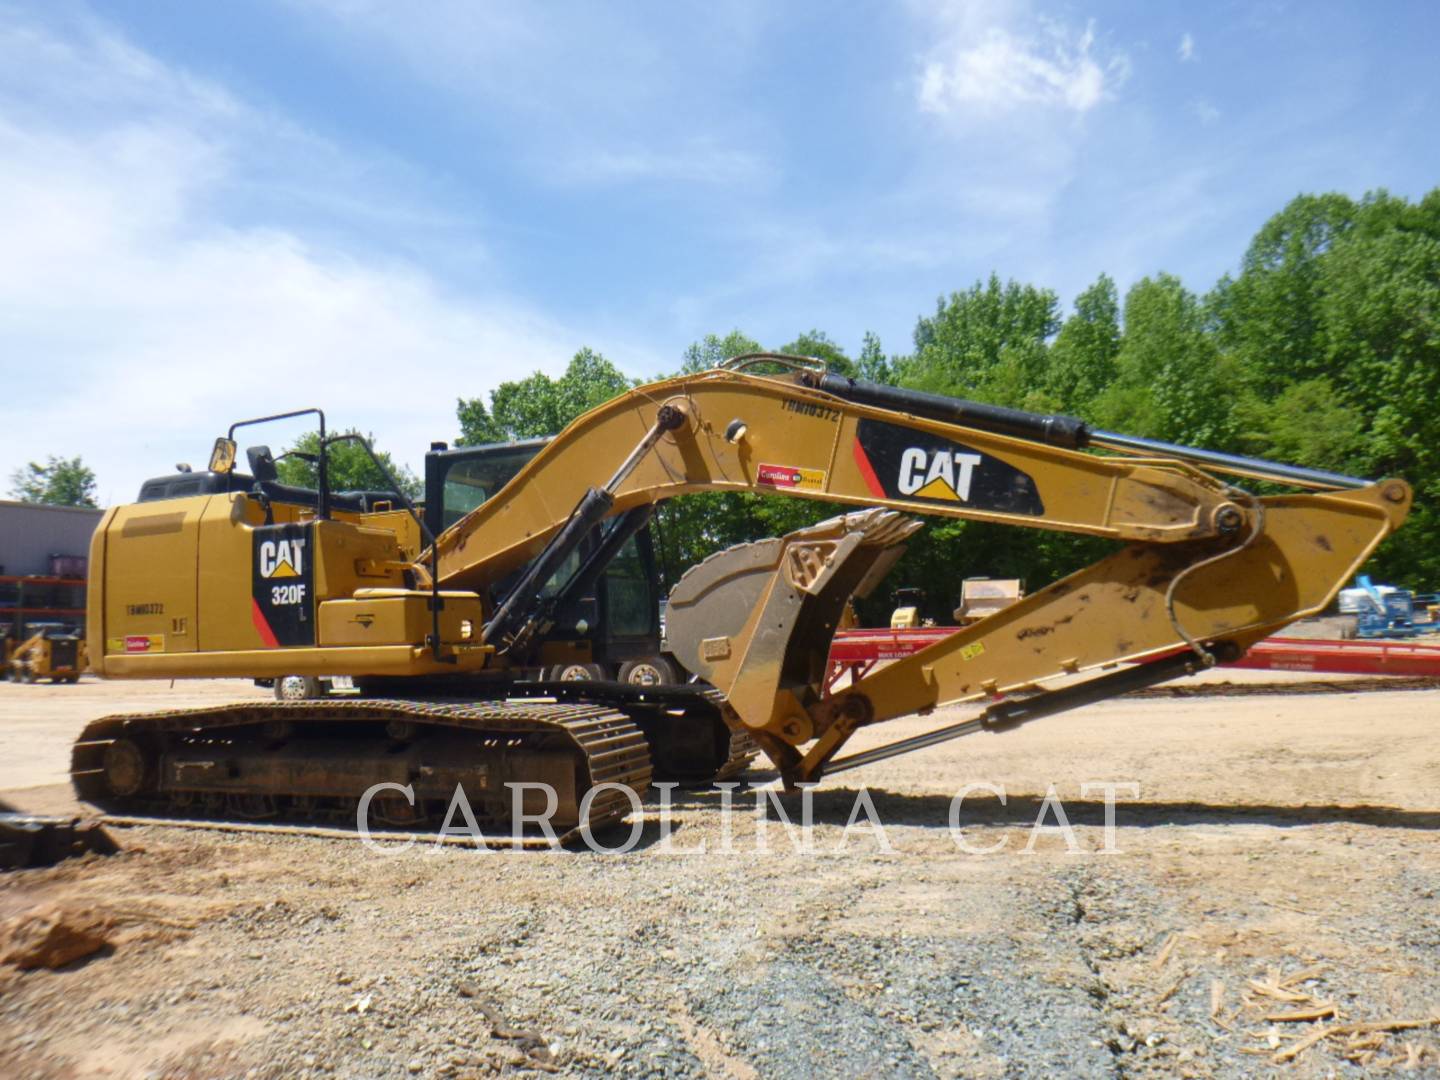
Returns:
(222,458)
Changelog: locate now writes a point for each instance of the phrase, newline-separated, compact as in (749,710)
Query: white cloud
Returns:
(160,320)
(997,68)
(1187,47)
(1205,112)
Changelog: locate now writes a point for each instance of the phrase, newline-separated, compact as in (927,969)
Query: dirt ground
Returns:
(1275,858)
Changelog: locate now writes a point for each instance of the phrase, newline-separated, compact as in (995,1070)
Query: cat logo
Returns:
(282,558)
(927,467)
(941,475)
(282,587)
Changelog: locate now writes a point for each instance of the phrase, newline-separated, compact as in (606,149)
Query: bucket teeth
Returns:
(757,619)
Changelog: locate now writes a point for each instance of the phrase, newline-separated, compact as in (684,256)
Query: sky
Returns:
(210,212)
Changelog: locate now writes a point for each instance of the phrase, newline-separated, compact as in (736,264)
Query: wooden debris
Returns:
(1298,1048)
(1314,1012)
(1303,975)
(1373,1041)
(1384,1025)
(1169,992)
(1272,991)
(1217,998)
(1165,951)
(1365,1027)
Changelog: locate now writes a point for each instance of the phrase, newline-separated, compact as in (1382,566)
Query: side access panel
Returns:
(149,588)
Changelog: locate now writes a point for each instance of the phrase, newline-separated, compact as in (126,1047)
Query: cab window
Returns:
(470,481)
(629,599)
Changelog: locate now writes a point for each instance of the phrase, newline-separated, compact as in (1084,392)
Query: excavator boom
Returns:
(742,432)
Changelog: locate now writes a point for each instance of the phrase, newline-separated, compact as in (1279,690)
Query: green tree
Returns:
(713,350)
(988,343)
(539,405)
(873,365)
(817,343)
(1270,316)
(347,465)
(1333,328)
(1380,326)
(1323,350)
(1380,320)
(1171,381)
(1306,422)
(59,482)
(1082,361)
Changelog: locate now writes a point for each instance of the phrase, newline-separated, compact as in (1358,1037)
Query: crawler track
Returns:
(305,765)
(684,725)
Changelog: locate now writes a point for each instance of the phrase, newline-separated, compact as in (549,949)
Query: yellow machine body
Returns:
(187,587)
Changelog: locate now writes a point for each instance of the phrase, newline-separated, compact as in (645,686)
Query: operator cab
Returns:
(182,485)
(619,617)
(263,479)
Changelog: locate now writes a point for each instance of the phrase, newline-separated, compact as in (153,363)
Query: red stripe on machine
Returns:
(261,626)
(868,471)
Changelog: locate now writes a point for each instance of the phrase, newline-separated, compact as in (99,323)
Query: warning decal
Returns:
(789,476)
(136,643)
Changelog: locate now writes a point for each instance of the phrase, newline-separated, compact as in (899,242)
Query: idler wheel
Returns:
(126,767)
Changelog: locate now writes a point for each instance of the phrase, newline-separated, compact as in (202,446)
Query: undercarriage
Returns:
(398,763)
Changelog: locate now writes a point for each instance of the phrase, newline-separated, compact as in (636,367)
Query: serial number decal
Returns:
(809,408)
(145,609)
(789,476)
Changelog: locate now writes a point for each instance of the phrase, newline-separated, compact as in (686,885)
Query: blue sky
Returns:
(210,211)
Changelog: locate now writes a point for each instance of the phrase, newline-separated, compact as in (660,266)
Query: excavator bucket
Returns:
(770,608)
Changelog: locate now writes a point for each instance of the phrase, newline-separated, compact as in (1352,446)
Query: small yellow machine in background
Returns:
(56,655)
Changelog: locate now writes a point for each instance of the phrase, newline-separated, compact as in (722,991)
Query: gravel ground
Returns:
(1268,836)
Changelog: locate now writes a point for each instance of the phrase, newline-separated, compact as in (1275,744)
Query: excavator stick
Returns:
(1142,603)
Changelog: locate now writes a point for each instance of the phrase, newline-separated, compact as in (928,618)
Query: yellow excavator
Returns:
(442,619)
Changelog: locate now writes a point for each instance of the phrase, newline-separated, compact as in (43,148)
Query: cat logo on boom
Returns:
(282,558)
(926,467)
(941,475)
